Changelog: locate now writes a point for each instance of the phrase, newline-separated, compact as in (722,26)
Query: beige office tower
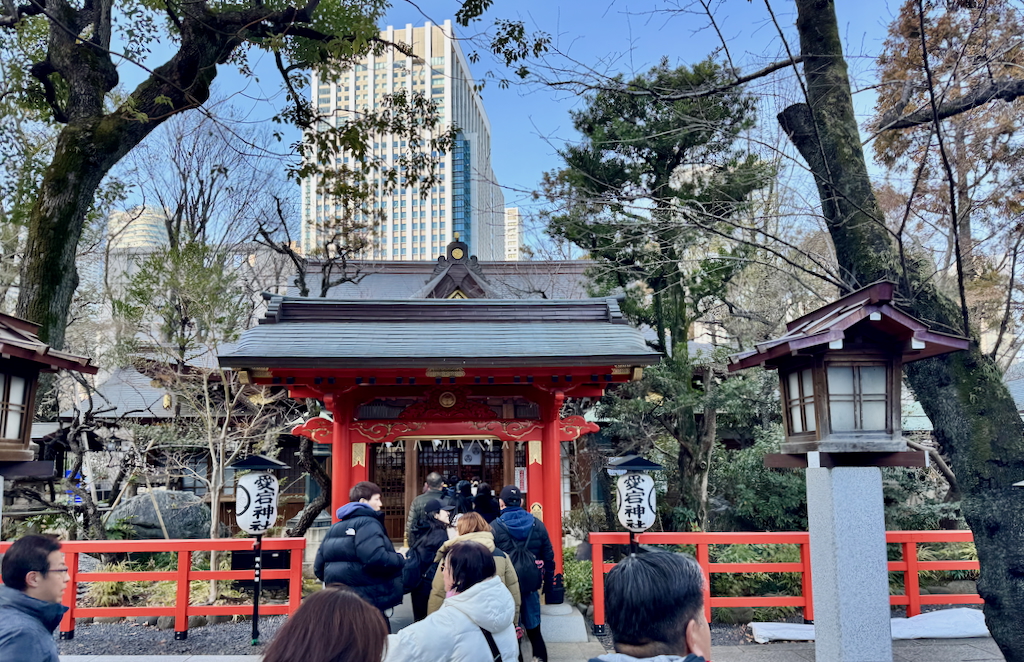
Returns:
(466,200)
(513,234)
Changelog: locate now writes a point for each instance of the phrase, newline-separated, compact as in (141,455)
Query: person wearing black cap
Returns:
(525,539)
(431,533)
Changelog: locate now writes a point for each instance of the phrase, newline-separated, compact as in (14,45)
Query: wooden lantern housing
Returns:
(840,371)
(22,358)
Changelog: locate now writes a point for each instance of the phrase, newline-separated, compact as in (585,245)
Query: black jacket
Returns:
(512,528)
(358,553)
(487,506)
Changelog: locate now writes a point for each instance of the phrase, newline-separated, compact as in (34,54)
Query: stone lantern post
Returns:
(840,372)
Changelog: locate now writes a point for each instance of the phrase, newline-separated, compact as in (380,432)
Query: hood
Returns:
(519,521)
(622,657)
(485,538)
(356,507)
(488,604)
(48,613)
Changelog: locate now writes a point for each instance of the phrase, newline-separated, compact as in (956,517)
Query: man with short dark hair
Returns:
(34,577)
(654,606)
(358,553)
(413,524)
(517,530)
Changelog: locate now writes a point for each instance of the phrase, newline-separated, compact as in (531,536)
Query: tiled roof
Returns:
(311,333)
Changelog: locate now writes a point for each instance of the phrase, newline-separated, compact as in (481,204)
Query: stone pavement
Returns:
(556,653)
(981,649)
(917,650)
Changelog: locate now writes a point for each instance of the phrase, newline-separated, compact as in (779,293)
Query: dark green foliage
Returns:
(747,496)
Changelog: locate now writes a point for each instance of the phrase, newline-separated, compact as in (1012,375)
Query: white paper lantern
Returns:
(256,502)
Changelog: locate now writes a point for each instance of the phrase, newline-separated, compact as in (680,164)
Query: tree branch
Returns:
(1004,89)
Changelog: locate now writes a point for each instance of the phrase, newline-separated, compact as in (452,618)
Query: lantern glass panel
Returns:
(15,408)
(800,401)
(858,400)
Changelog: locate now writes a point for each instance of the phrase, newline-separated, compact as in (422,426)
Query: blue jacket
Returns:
(517,524)
(26,627)
(358,553)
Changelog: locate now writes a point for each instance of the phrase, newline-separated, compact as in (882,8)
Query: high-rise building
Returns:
(466,200)
(513,234)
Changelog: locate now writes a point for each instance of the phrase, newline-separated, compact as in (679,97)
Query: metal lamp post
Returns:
(635,495)
(256,511)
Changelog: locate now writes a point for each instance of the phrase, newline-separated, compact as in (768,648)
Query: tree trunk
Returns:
(317,505)
(974,418)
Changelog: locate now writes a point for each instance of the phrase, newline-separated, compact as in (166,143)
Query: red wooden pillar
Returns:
(552,449)
(341,452)
(535,502)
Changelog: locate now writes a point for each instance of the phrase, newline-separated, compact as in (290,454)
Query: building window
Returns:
(857,397)
(800,401)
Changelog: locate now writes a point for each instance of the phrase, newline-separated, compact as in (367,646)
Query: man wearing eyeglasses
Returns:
(35,577)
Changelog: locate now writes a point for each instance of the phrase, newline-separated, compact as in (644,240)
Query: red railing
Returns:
(909,566)
(184,574)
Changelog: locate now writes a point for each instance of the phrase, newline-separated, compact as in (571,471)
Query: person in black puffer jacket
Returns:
(485,503)
(358,553)
(433,533)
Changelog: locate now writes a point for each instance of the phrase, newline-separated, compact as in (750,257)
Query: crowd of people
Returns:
(475,587)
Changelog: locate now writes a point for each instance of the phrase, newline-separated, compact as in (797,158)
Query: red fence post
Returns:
(704,559)
(70,599)
(911,585)
(295,580)
(597,571)
(806,589)
(181,602)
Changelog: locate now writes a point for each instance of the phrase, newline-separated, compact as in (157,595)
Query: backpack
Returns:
(524,562)
(412,576)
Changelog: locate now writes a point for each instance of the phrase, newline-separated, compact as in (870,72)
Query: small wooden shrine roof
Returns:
(871,305)
(302,333)
(19,339)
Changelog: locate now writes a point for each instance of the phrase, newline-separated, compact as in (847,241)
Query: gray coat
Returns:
(26,627)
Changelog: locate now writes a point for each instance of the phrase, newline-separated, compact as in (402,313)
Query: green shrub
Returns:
(757,583)
(578,578)
(747,496)
(114,594)
(584,519)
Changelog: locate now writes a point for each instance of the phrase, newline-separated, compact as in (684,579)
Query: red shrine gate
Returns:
(412,373)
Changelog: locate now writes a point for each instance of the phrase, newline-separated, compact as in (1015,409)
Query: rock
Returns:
(88,563)
(88,620)
(196,621)
(963,586)
(590,612)
(734,615)
(939,589)
(109,619)
(217,619)
(165,623)
(584,552)
(184,514)
(147,620)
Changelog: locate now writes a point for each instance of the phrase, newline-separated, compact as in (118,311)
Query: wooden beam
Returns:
(831,460)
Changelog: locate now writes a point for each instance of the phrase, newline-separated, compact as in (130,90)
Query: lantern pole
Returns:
(258,584)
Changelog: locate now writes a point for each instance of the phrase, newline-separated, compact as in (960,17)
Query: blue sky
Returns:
(530,122)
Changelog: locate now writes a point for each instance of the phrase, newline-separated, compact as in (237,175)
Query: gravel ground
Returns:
(135,639)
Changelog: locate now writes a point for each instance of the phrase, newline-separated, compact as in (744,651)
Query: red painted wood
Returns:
(909,565)
(181,609)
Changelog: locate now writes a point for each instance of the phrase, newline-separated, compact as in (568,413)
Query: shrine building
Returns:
(454,379)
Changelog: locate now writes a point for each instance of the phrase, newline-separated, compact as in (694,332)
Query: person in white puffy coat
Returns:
(476,600)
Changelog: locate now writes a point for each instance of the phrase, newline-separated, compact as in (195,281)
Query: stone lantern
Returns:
(22,358)
(840,372)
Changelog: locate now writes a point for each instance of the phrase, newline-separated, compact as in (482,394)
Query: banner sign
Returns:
(635,501)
